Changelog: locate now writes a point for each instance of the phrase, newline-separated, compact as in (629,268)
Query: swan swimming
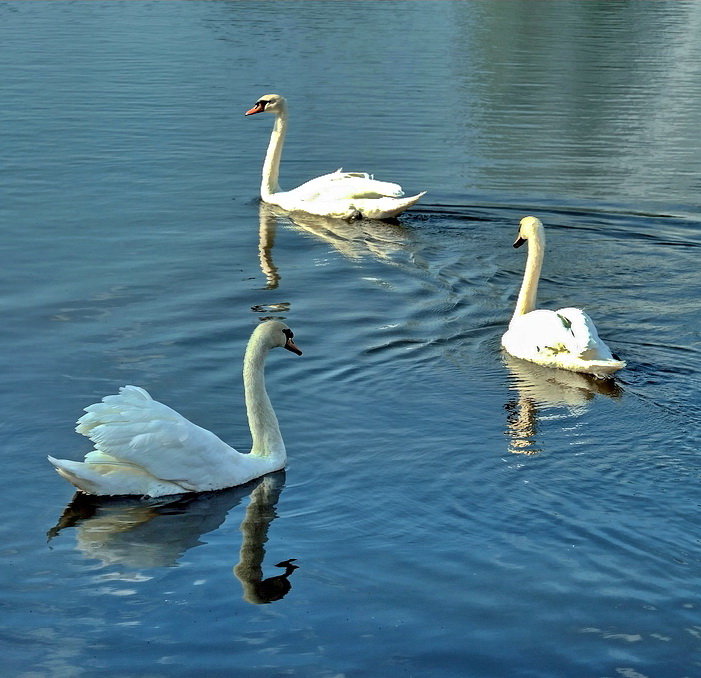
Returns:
(143,447)
(566,338)
(344,195)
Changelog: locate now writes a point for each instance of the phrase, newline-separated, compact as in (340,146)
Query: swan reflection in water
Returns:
(539,387)
(254,528)
(153,533)
(353,239)
(267,226)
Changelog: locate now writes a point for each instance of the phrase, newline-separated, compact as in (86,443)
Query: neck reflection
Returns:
(254,528)
(267,227)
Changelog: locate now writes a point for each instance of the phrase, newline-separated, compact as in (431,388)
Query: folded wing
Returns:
(134,434)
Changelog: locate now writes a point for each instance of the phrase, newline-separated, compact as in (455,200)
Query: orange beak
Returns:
(291,346)
(258,108)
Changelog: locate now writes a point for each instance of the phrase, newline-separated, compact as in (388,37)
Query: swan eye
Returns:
(288,333)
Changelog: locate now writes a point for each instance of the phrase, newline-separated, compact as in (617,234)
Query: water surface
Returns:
(452,512)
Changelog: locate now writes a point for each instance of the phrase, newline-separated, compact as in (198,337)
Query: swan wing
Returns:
(566,331)
(134,429)
(346,208)
(584,342)
(341,185)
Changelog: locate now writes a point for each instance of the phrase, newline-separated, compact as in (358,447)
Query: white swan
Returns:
(144,447)
(345,195)
(566,338)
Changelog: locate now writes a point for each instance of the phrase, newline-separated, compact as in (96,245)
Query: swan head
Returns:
(527,227)
(289,564)
(273,103)
(276,334)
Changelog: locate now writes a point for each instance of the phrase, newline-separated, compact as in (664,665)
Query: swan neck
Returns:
(529,287)
(265,430)
(271,166)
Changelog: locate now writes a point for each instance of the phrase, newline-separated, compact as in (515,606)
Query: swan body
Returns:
(566,338)
(143,447)
(343,195)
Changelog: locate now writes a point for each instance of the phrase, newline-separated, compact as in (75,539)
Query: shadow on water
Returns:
(538,388)
(148,533)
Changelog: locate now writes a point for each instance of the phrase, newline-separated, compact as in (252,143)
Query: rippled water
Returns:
(452,511)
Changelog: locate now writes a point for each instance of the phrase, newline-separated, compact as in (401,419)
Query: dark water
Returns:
(451,512)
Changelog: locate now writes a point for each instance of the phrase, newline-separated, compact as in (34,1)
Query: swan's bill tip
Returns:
(291,346)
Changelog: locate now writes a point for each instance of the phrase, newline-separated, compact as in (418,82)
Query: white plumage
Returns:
(566,338)
(344,195)
(143,447)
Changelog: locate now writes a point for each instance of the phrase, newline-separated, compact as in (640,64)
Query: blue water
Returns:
(452,511)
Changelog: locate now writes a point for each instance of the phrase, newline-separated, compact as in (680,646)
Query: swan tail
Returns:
(91,478)
(385,208)
(66,469)
(103,475)
(597,368)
